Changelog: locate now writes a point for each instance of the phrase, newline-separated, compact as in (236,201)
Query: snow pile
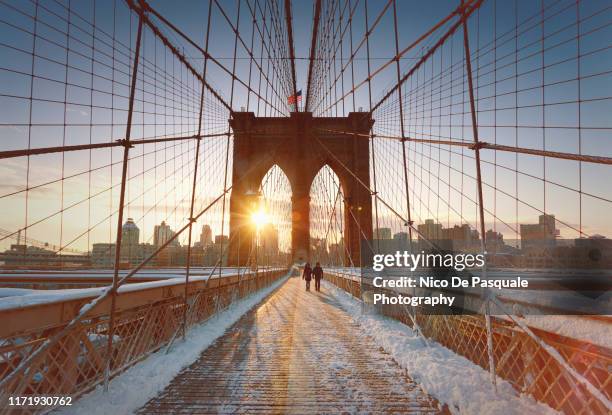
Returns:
(452,379)
(133,388)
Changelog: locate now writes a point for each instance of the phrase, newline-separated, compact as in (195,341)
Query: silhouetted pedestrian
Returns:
(307,275)
(317,271)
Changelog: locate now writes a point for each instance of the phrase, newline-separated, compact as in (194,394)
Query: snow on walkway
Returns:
(304,352)
(133,388)
(298,352)
(452,379)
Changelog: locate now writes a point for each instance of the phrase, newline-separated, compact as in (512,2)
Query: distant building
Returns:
(540,235)
(197,255)
(430,230)
(103,255)
(382,233)
(337,252)
(590,253)
(131,252)
(163,233)
(23,255)
(143,252)
(594,252)
(495,241)
(462,236)
(212,253)
(269,239)
(401,241)
(401,236)
(171,256)
(130,234)
(458,238)
(221,240)
(206,236)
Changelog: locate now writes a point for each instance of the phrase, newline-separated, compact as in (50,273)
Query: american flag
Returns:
(292,99)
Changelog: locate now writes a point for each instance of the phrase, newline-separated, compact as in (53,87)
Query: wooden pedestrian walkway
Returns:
(296,352)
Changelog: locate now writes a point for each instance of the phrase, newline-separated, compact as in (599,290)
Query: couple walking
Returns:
(316,272)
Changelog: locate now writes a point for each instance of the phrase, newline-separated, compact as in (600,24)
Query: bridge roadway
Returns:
(296,352)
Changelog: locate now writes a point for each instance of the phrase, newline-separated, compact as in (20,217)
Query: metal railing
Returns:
(570,375)
(147,317)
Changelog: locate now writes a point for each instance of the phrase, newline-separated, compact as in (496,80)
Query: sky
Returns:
(414,19)
(80,90)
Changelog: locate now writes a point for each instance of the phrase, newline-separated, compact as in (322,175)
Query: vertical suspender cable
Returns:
(126,151)
(401,114)
(476,147)
(195,174)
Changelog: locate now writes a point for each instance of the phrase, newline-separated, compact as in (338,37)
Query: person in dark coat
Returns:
(307,275)
(318,274)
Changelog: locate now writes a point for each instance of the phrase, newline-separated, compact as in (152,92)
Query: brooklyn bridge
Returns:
(169,168)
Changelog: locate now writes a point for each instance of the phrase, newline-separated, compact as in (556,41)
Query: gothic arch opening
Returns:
(272,218)
(327,219)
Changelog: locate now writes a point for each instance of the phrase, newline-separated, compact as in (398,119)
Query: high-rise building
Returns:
(206,236)
(430,230)
(130,234)
(162,234)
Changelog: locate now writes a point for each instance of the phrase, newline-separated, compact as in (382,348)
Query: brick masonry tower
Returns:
(300,145)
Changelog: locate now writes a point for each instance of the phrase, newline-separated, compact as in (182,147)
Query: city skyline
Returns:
(533,235)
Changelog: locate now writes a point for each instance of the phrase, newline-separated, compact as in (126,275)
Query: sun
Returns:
(260,218)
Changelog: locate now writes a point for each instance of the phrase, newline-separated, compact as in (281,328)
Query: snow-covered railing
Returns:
(570,375)
(147,316)
(85,278)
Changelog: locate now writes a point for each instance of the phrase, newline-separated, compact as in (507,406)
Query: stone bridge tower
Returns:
(300,145)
